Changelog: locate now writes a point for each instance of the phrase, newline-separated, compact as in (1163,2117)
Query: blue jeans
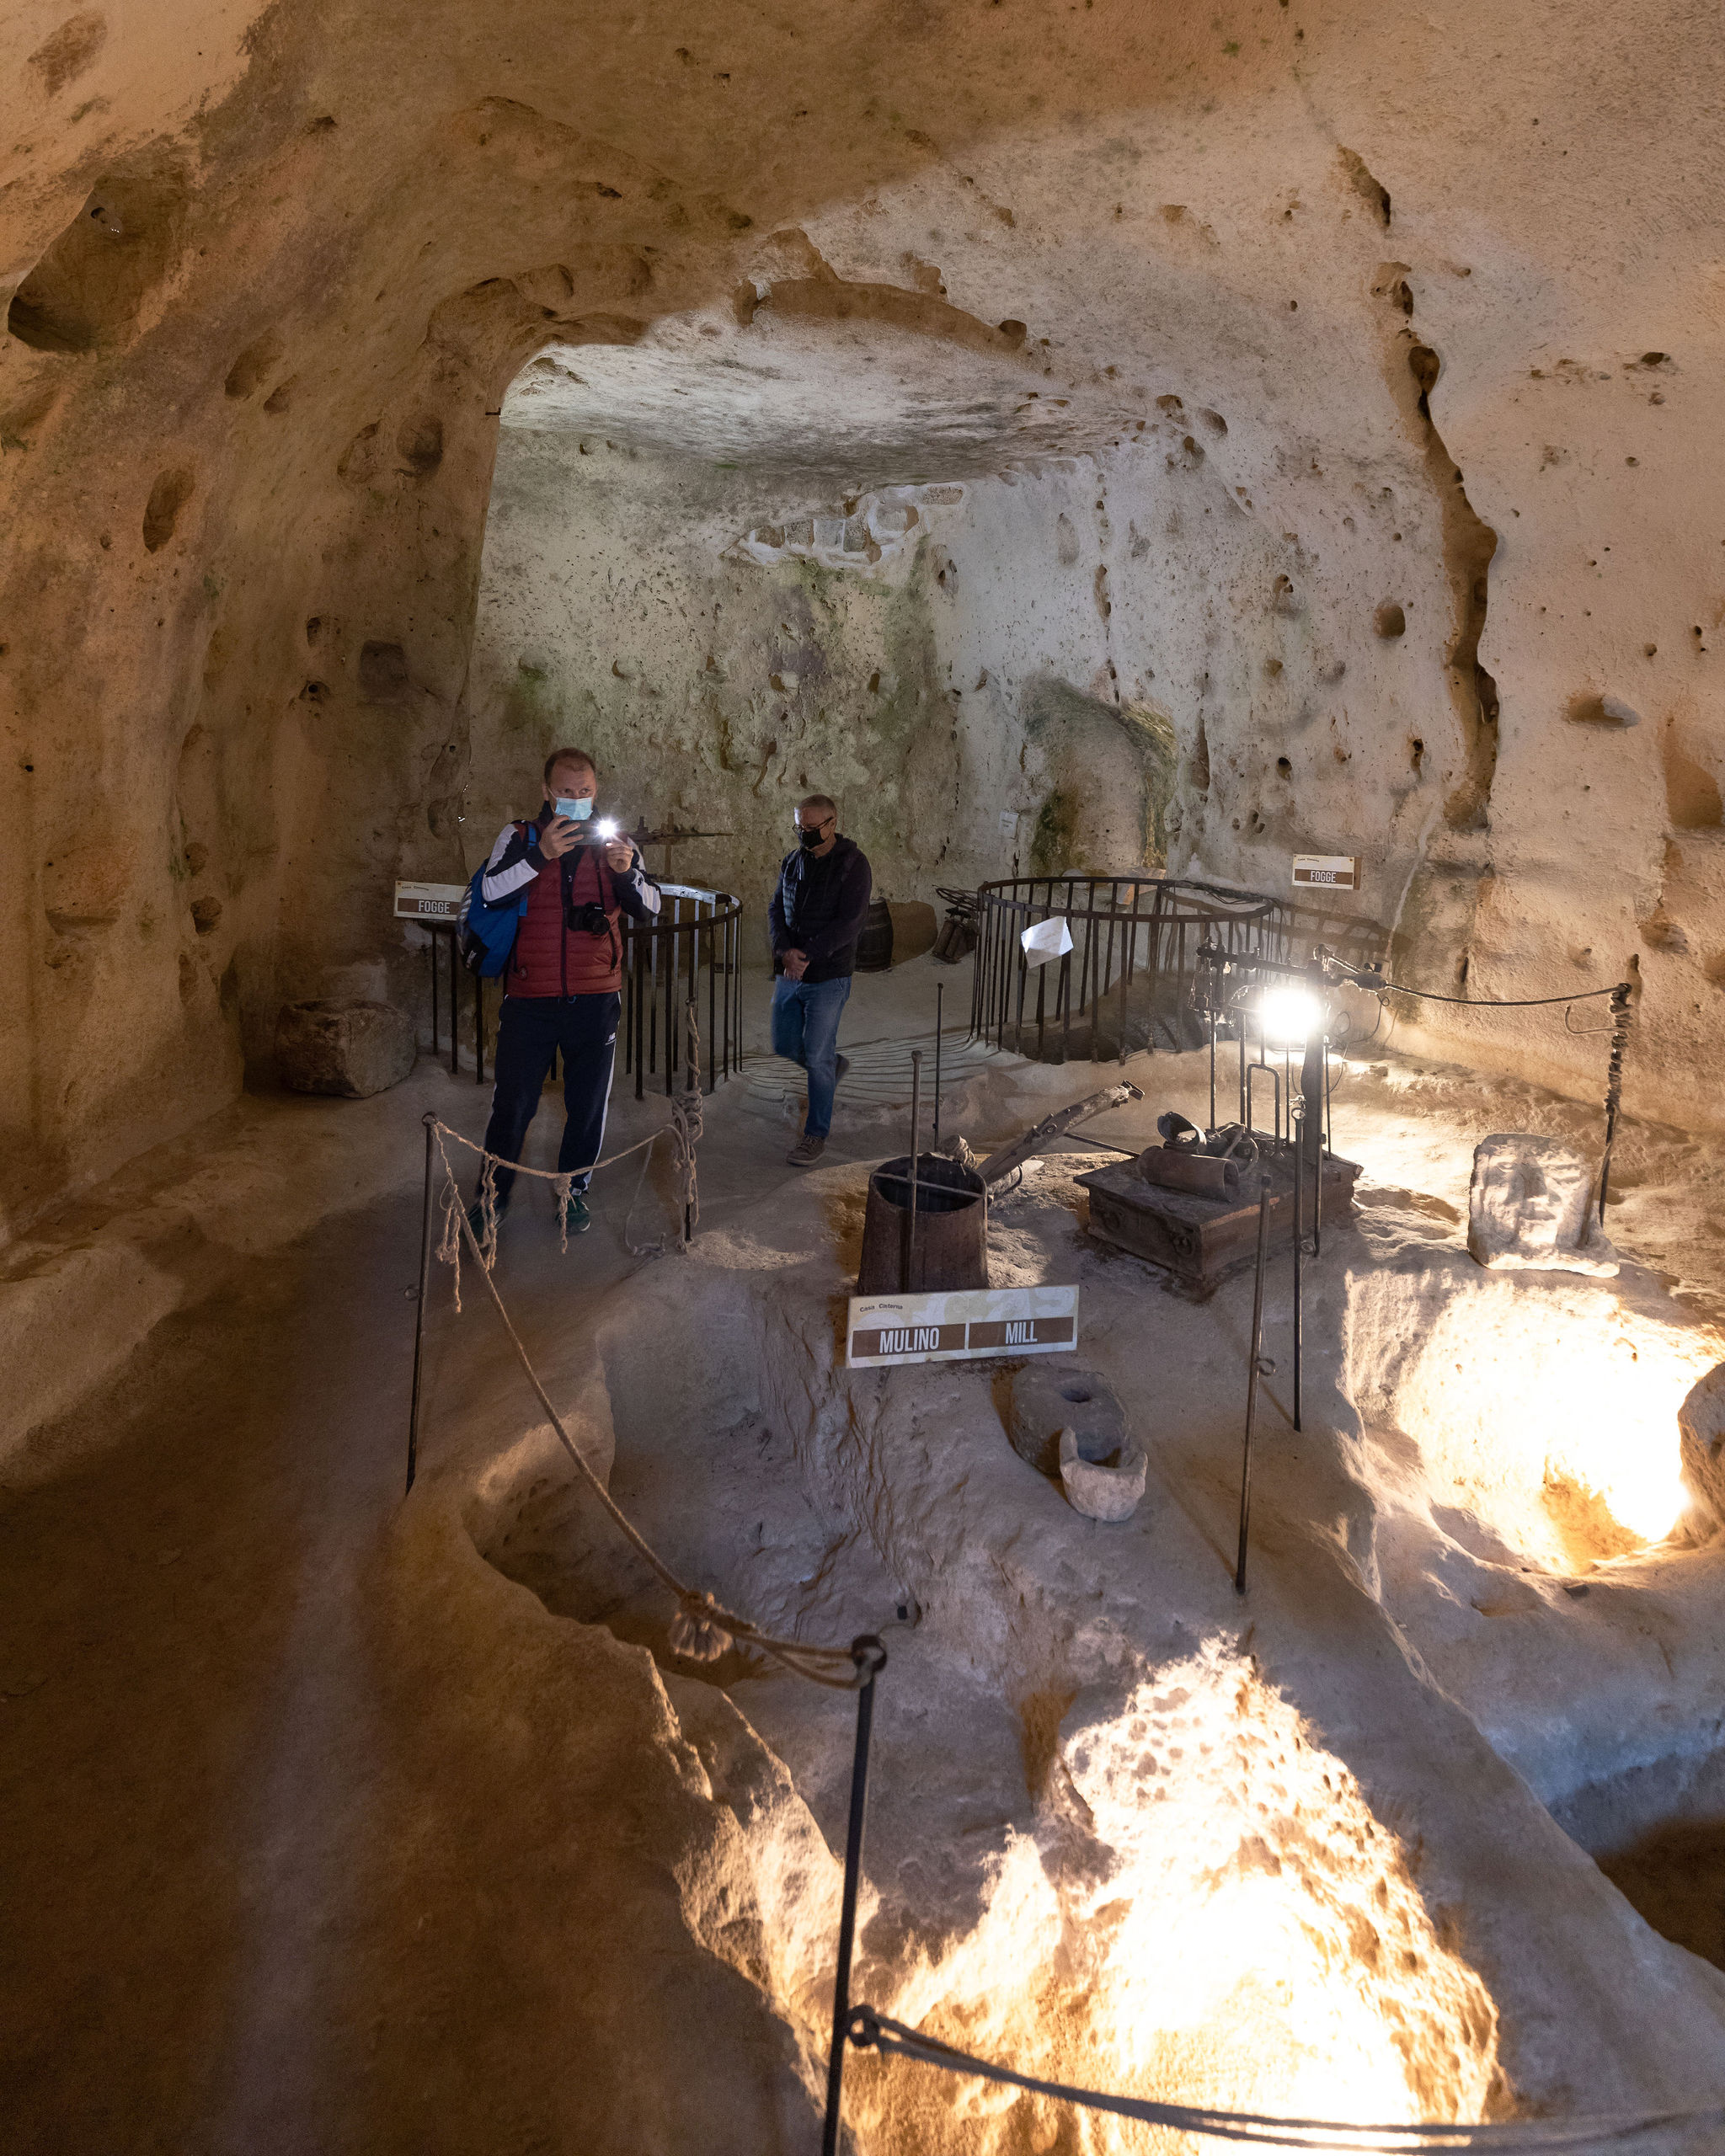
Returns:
(533,1028)
(805,1029)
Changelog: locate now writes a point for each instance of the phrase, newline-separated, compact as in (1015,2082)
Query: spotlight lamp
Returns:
(1289,1016)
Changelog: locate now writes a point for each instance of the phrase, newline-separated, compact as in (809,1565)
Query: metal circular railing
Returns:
(692,951)
(1125,985)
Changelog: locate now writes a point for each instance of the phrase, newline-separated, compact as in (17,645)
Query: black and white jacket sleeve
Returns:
(637,893)
(516,861)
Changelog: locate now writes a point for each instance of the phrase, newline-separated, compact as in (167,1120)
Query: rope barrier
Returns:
(871,2032)
(448,1249)
(702,1629)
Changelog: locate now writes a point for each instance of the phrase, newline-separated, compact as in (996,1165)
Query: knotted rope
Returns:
(1623,1012)
(449,1247)
(702,1629)
(686,1128)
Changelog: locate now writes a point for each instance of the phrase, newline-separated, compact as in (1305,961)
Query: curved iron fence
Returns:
(1126,984)
(691,951)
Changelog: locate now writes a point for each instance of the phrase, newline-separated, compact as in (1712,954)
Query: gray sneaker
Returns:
(806,1151)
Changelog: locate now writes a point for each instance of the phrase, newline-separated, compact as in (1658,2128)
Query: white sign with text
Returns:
(429,901)
(960,1326)
(1333,872)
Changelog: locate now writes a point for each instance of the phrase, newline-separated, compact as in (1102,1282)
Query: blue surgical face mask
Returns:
(579,810)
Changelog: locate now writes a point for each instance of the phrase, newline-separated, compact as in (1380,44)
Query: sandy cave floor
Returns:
(321,1832)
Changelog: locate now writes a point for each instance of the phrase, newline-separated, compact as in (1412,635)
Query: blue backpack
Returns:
(485,935)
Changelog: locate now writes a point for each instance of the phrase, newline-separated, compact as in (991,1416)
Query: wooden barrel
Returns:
(874,946)
(952,1228)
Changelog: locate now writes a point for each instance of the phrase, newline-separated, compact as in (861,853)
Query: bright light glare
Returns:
(607,827)
(1289,1016)
(1228,1924)
(1514,1391)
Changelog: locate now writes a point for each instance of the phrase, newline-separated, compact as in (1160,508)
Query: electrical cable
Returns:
(869,2030)
(1353,973)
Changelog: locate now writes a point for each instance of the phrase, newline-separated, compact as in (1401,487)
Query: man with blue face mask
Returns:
(816,915)
(562,986)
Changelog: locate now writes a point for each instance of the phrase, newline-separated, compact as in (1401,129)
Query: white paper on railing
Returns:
(1048,939)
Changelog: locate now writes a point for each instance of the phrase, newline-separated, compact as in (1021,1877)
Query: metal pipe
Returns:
(1274,1076)
(430,1121)
(1256,1367)
(869,1656)
(909,1243)
(940,1005)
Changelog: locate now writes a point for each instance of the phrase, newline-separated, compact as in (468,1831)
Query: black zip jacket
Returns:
(818,907)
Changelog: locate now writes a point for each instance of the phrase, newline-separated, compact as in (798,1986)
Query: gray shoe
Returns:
(806,1151)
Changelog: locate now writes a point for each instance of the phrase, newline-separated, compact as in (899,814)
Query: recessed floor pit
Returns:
(1126,1830)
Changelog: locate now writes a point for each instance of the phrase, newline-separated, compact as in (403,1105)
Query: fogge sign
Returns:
(1330,872)
(429,901)
(949,1328)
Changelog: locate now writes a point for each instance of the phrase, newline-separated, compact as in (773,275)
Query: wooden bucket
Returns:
(952,1228)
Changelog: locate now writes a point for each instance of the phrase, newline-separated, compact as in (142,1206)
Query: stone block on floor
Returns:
(343,1045)
(1049,1397)
(1530,1208)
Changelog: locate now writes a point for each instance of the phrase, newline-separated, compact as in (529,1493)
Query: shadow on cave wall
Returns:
(1111,771)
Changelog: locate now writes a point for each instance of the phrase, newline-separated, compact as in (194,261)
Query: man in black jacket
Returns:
(817,913)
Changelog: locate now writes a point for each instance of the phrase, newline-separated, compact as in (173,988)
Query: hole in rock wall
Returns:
(89,290)
(169,496)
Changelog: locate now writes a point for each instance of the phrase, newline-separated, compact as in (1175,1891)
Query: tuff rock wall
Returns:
(1457,276)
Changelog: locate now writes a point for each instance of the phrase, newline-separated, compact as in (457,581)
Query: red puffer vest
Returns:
(550,958)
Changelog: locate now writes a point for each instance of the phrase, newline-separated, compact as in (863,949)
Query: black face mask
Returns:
(808,839)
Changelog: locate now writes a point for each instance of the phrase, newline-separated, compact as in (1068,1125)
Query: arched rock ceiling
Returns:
(812,404)
(247,426)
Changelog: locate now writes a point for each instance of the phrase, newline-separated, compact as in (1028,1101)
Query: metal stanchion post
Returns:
(870,1659)
(692,1085)
(429,1122)
(1257,1367)
(909,1241)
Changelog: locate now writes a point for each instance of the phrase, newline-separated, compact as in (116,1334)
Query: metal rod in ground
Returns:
(1314,1067)
(1296,1112)
(430,1121)
(940,1005)
(1254,1371)
(909,1241)
(692,1085)
(1318,1173)
(870,1659)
